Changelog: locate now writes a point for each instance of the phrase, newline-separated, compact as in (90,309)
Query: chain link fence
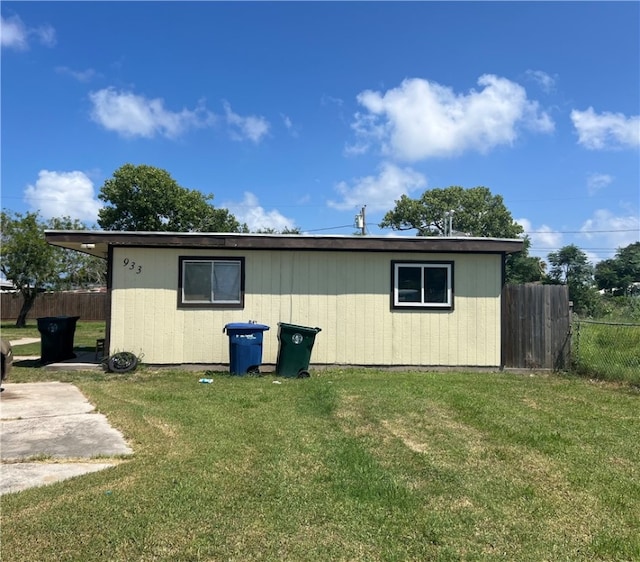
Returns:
(607,350)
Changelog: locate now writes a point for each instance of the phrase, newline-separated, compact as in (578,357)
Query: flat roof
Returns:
(97,242)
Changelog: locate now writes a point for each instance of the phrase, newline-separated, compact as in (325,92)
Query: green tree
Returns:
(75,269)
(523,268)
(285,230)
(27,260)
(606,276)
(619,274)
(33,266)
(570,266)
(144,198)
(476,212)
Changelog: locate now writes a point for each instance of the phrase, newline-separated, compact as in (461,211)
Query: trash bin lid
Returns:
(299,328)
(246,326)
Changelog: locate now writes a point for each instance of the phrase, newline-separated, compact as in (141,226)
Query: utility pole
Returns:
(361,221)
(448,223)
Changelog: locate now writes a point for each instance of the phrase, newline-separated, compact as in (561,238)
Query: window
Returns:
(211,282)
(422,285)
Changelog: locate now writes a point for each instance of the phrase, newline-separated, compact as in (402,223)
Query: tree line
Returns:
(477,212)
(145,198)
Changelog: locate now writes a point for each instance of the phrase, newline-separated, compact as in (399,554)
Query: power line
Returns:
(580,231)
(550,250)
(582,248)
(351,226)
(328,228)
(590,197)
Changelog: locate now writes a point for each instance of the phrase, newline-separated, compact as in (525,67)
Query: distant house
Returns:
(388,301)
(7,286)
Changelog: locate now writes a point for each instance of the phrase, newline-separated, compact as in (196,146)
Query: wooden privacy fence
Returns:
(88,306)
(536,327)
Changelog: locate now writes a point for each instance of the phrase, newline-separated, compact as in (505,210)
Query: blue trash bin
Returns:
(245,347)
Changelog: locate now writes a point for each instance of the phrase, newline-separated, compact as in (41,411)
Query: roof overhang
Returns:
(97,242)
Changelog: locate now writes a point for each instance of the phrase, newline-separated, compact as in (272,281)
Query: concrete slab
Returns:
(56,421)
(42,399)
(22,476)
(78,436)
(24,341)
(83,361)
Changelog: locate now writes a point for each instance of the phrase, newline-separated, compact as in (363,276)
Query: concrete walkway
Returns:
(84,361)
(24,341)
(53,421)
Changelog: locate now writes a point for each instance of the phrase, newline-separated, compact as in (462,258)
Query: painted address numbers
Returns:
(133,266)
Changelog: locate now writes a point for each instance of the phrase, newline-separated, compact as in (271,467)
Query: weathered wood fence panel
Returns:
(88,306)
(536,327)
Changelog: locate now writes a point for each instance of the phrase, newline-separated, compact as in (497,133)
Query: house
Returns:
(7,286)
(380,301)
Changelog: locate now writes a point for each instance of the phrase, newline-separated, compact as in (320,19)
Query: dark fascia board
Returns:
(97,242)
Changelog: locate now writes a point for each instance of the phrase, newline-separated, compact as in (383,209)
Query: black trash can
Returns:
(245,347)
(56,338)
(294,352)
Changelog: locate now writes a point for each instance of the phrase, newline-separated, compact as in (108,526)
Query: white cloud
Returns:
(59,194)
(252,127)
(606,130)
(14,34)
(250,211)
(422,119)
(614,231)
(604,231)
(356,149)
(378,193)
(288,123)
(330,100)
(546,82)
(45,34)
(542,236)
(596,182)
(131,115)
(79,75)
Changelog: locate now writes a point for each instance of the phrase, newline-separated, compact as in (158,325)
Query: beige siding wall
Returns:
(347,294)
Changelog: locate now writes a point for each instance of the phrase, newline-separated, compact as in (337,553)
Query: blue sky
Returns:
(297,114)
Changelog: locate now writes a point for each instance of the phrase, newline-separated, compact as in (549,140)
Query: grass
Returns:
(346,465)
(608,351)
(84,337)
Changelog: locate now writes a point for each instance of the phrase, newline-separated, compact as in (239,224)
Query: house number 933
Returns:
(133,266)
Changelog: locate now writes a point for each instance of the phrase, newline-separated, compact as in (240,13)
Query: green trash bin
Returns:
(56,338)
(294,352)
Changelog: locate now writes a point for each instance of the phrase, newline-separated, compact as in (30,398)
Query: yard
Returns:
(346,465)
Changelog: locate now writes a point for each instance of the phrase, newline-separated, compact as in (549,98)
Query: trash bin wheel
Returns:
(302,374)
(122,362)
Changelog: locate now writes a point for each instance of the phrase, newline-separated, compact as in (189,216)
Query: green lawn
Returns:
(346,465)
(607,351)
(84,338)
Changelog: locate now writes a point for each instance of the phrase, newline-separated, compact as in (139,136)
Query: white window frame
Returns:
(422,266)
